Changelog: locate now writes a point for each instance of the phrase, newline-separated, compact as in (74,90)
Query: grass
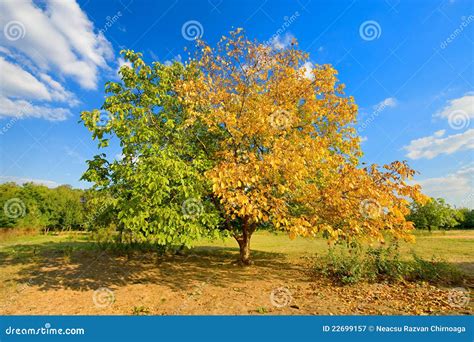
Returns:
(18,240)
(455,246)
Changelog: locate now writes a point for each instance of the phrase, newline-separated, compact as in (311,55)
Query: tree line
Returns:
(37,206)
(437,214)
(64,208)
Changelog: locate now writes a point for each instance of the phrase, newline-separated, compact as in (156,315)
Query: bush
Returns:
(434,271)
(350,265)
(385,263)
(344,265)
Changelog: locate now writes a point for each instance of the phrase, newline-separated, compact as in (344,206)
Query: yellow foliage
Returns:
(288,153)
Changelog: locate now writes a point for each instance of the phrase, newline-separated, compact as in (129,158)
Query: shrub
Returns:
(385,263)
(344,265)
(140,310)
(434,271)
(350,265)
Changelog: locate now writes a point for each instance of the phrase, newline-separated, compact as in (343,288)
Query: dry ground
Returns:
(67,275)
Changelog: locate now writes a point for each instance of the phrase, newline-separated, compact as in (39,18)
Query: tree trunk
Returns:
(244,245)
(244,242)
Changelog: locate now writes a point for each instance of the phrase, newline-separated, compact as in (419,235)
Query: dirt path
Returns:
(205,282)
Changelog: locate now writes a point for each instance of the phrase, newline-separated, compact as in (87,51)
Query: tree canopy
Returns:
(248,137)
(158,190)
(37,206)
(437,214)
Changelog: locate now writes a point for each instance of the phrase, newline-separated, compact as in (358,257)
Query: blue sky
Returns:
(409,65)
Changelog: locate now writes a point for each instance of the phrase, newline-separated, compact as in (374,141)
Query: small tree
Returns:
(435,214)
(467,215)
(283,147)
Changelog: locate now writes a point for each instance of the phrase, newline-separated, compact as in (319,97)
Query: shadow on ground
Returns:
(83,266)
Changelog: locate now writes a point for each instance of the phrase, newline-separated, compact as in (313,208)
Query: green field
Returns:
(456,246)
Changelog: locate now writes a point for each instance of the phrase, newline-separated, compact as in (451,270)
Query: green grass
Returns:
(452,246)
(275,243)
(19,240)
(456,246)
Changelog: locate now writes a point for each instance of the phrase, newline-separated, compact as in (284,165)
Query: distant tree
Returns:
(37,206)
(69,213)
(435,214)
(9,216)
(467,215)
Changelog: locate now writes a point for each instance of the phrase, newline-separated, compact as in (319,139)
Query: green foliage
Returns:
(346,265)
(434,271)
(8,191)
(467,221)
(385,263)
(37,206)
(156,193)
(350,265)
(435,214)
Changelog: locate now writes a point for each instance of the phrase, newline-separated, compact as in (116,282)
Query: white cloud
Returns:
(54,38)
(282,41)
(20,180)
(18,83)
(463,104)
(57,91)
(73,23)
(24,109)
(389,102)
(59,37)
(455,187)
(432,146)
(19,59)
(308,70)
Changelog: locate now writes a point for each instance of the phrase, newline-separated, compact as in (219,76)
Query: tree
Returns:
(467,218)
(156,192)
(11,210)
(37,206)
(284,152)
(239,138)
(69,208)
(435,214)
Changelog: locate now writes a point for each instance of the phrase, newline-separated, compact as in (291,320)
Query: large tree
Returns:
(253,135)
